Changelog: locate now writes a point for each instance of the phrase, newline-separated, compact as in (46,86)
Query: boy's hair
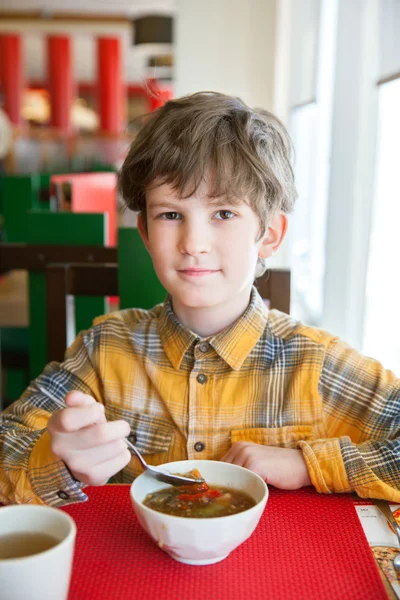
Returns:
(247,150)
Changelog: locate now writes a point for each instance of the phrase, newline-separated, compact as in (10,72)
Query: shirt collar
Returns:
(233,344)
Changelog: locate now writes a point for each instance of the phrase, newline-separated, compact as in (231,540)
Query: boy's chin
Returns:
(198,299)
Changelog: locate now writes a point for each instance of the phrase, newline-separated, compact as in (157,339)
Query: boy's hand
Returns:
(283,468)
(92,448)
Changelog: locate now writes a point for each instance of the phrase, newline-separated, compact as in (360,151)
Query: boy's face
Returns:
(204,250)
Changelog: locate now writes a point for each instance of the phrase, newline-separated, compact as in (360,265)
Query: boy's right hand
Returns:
(92,448)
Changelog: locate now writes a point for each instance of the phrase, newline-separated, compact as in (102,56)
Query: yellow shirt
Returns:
(266,379)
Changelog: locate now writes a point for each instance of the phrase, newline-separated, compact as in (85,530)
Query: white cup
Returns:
(42,576)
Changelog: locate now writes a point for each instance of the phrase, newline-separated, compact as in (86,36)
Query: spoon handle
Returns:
(136,451)
(384,507)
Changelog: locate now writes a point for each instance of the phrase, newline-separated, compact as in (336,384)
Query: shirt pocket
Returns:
(284,437)
(152,436)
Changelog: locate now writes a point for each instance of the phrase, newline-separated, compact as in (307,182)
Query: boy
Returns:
(211,373)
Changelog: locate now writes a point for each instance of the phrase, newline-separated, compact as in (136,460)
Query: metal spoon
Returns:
(384,507)
(153,471)
(162,475)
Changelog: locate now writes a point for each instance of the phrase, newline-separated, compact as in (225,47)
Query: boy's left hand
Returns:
(284,468)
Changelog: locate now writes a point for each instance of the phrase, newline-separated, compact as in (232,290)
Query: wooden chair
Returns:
(63,280)
(36,257)
(30,357)
(274,286)
(102,279)
(131,277)
(28,220)
(64,230)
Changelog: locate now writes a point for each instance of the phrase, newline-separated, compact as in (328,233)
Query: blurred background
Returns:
(75,75)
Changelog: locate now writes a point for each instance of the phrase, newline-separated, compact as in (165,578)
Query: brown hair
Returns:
(248,150)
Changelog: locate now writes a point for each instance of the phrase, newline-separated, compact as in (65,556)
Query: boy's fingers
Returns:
(85,461)
(68,420)
(76,398)
(101,433)
(101,473)
(233,452)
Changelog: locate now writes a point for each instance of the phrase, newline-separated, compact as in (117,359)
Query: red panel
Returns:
(11,75)
(93,193)
(60,81)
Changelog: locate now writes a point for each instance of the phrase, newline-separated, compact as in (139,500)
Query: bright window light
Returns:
(382,322)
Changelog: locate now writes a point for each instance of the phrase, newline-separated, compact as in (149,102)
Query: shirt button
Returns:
(199,446)
(201,378)
(63,495)
(204,346)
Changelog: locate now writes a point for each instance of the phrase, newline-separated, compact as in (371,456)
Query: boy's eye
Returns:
(224,214)
(170,216)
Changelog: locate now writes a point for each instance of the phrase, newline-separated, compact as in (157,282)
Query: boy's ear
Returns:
(273,236)
(142,230)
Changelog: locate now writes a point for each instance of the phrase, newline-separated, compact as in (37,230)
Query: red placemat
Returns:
(306,546)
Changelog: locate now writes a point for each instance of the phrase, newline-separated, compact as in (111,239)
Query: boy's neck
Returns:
(212,319)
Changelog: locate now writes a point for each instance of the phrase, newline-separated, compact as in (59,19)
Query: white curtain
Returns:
(390,38)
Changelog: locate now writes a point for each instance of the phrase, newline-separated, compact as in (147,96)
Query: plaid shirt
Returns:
(266,379)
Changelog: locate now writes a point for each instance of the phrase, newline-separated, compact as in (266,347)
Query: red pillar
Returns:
(109,84)
(11,74)
(59,65)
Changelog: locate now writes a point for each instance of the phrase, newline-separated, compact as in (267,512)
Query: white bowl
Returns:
(201,541)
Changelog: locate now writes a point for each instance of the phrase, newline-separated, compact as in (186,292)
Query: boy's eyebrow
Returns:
(164,204)
(214,201)
(219,200)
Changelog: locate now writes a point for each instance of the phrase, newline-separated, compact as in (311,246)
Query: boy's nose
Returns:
(194,241)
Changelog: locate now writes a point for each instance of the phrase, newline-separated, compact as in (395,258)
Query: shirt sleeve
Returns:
(361,407)
(29,471)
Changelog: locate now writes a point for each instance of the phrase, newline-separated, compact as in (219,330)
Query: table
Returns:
(306,546)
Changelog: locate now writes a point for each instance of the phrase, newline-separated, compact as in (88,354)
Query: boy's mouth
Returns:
(197,272)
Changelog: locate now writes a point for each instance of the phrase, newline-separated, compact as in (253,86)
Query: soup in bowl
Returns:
(198,538)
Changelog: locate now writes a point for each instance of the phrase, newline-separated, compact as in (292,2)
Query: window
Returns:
(381,327)
(310,127)
(308,221)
